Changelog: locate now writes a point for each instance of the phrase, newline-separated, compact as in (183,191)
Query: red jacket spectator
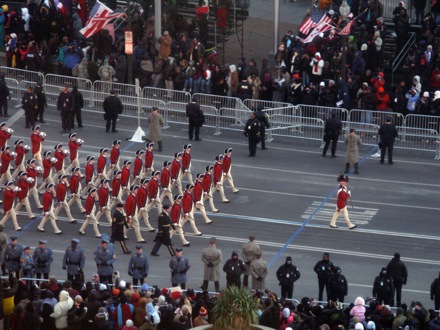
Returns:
(382,99)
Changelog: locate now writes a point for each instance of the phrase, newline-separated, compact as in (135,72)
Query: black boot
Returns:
(4,272)
(217,286)
(347,167)
(204,286)
(159,143)
(356,168)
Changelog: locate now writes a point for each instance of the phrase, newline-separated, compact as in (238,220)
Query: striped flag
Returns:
(346,30)
(323,26)
(100,15)
(312,21)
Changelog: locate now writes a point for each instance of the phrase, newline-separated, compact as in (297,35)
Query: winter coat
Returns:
(358,311)
(211,256)
(121,69)
(396,269)
(258,271)
(156,123)
(165,46)
(353,143)
(61,309)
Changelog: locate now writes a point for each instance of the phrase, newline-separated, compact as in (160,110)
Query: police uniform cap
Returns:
(134,187)
(5,148)
(104,181)
(9,183)
(42,241)
(213,240)
(179,250)
(102,150)
(218,157)
(228,150)
(75,169)
(91,190)
(21,173)
(139,152)
(89,158)
(119,205)
(105,240)
(75,240)
(343,177)
(48,185)
(14,238)
(176,197)
(17,142)
(189,186)
(187,146)
(126,162)
(62,176)
(149,144)
(208,168)
(138,247)
(71,135)
(36,127)
(115,142)
(166,206)
(145,180)
(116,172)
(27,247)
(2,124)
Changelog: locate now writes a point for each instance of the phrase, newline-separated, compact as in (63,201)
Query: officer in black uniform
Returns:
(234,268)
(113,107)
(396,269)
(338,286)
(29,105)
(196,119)
(324,269)
(119,221)
(163,234)
(333,128)
(264,124)
(387,133)
(41,101)
(287,274)
(252,132)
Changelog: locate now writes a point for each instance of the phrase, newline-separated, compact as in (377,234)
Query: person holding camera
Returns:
(317,64)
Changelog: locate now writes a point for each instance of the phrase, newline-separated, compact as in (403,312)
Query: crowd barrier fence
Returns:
(320,112)
(14,89)
(166,95)
(375,117)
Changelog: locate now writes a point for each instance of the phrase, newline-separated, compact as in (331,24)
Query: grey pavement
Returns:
(287,197)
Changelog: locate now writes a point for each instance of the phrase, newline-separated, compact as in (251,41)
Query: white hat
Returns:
(322,84)
(129,323)
(359,326)
(425,94)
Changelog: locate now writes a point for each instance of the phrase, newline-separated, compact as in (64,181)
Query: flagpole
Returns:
(276,25)
(129,56)
(344,10)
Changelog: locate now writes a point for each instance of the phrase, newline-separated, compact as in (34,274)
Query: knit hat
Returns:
(364,47)
(371,325)
(203,313)
(359,326)
(286,313)
(129,323)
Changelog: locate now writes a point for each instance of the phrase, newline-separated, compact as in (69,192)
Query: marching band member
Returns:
(9,196)
(154,193)
(48,163)
(22,194)
(188,209)
(137,167)
(6,158)
(186,163)
(74,145)
(116,189)
(104,201)
(226,166)
(142,198)
(176,173)
(341,204)
(217,178)
(131,212)
(198,197)
(176,218)
(149,159)
(20,150)
(101,166)
(207,187)
(165,182)
(115,155)
(125,176)
(90,213)
(48,209)
(59,154)
(90,174)
(75,188)
(33,171)
(5,134)
(61,194)
(37,139)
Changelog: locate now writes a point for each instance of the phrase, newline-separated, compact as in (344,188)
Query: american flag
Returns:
(100,15)
(312,21)
(323,26)
(346,30)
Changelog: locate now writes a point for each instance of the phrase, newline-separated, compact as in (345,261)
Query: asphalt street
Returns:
(287,198)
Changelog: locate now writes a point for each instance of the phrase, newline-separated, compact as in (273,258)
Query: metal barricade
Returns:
(420,139)
(14,90)
(219,102)
(19,74)
(166,95)
(369,133)
(233,119)
(121,89)
(314,111)
(421,121)
(262,104)
(296,127)
(85,86)
(375,117)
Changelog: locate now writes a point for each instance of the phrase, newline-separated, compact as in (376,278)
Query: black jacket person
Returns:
(287,275)
(195,118)
(333,128)
(234,268)
(264,121)
(163,234)
(324,269)
(396,269)
(113,107)
(388,133)
(383,288)
(252,131)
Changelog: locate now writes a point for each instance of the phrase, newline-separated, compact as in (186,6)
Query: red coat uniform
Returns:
(9,196)
(207,182)
(32,173)
(24,186)
(114,155)
(125,176)
(103,195)
(73,148)
(90,169)
(186,161)
(165,177)
(47,166)
(187,202)
(141,197)
(175,169)
(176,212)
(61,192)
(59,155)
(74,183)
(342,197)
(101,164)
(90,202)
(6,159)
(226,165)
(137,166)
(116,186)
(4,136)
(198,191)
(36,142)
(20,151)
(217,172)
(47,201)
(149,157)
(130,205)
(153,188)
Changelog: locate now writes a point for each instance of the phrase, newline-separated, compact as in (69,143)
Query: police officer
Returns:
(42,101)
(27,265)
(3,245)
(138,266)
(195,117)
(29,104)
(43,257)
(332,130)
(252,132)
(324,269)
(74,260)
(104,258)
(338,286)
(387,133)
(250,249)
(396,269)
(179,266)
(264,121)
(113,107)
(13,254)
(287,275)
(234,268)
(119,221)
(163,234)
(383,288)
